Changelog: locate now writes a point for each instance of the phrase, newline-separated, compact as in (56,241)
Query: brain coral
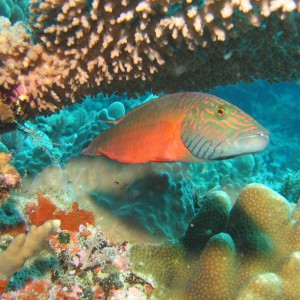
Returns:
(82,47)
(256,255)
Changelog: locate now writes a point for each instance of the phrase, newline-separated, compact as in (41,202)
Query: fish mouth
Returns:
(252,142)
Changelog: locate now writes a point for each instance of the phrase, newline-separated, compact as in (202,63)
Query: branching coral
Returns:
(24,246)
(25,70)
(257,258)
(87,46)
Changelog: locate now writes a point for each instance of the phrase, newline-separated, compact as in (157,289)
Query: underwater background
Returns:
(227,229)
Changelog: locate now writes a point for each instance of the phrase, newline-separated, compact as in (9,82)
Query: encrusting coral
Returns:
(256,255)
(83,47)
(25,246)
(47,210)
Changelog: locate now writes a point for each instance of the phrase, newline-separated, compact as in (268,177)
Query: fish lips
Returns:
(252,142)
(245,143)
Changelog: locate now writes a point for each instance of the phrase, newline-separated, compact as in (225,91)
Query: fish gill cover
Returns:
(146,231)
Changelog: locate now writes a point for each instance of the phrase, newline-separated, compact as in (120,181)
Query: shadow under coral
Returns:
(137,203)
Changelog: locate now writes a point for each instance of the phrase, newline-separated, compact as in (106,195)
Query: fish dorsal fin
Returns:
(191,133)
(115,122)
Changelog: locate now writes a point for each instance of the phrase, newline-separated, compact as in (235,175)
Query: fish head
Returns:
(216,129)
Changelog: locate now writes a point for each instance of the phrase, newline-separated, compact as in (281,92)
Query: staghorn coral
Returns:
(24,246)
(86,46)
(257,256)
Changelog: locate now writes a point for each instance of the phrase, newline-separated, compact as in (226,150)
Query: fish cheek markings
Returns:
(191,131)
(202,132)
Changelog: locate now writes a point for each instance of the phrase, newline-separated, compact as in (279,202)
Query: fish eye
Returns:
(221,111)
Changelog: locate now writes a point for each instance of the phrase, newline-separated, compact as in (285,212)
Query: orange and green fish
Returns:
(185,127)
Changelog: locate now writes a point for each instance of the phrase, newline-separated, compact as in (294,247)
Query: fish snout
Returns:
(252,142)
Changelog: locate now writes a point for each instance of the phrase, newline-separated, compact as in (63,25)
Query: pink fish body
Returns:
(186,127)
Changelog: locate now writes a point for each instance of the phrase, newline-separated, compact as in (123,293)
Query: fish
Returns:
(181,127)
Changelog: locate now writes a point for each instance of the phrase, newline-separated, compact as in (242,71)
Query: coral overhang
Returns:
(76,48)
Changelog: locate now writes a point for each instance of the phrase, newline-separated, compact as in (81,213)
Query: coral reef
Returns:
(83,47)
(156,197)
(25,246)
(253,254)
(78,261)
(84,265)
(228,175)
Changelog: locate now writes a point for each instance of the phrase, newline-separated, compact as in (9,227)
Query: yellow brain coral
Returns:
(257,256)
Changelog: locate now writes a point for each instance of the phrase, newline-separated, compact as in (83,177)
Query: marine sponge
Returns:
(257,256)
(10,215)
(46,210)
(36,270)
